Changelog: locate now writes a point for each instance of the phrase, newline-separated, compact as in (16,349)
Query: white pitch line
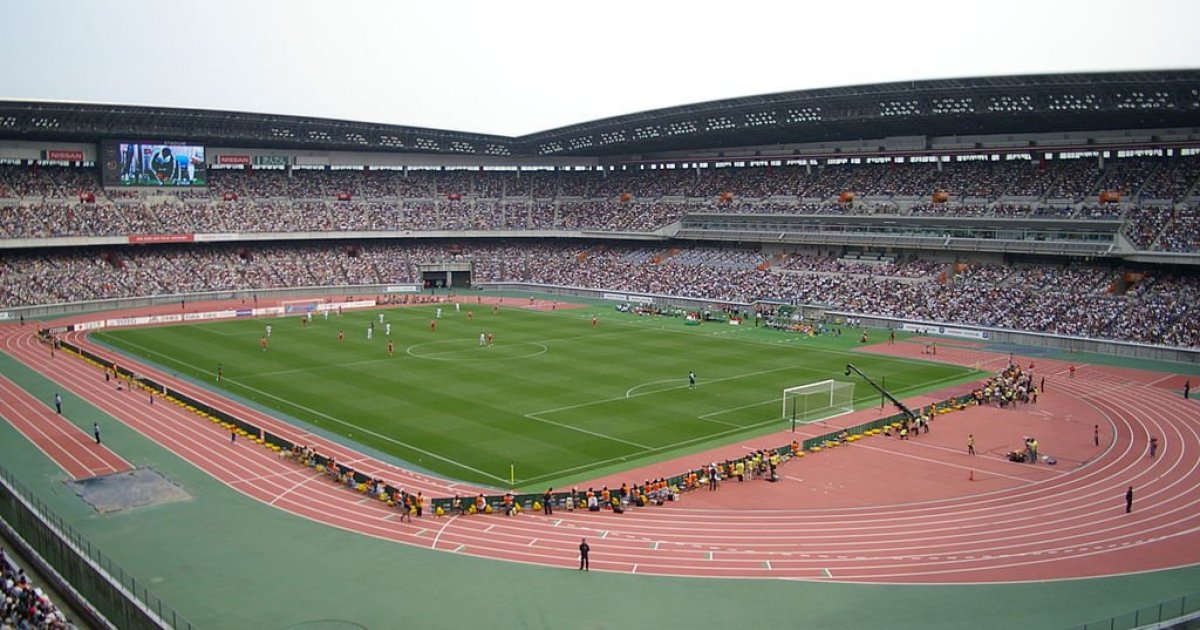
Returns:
(376,434)
(658,391)
(534,416)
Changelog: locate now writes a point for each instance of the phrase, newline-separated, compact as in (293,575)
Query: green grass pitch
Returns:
(554,398)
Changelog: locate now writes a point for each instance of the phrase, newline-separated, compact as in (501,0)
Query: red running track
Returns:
(72,448)
(1068,523)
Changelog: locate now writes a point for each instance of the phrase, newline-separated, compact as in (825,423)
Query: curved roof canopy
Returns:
(945,107)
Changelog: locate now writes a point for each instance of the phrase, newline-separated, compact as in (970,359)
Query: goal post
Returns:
(300,307)
(818,401)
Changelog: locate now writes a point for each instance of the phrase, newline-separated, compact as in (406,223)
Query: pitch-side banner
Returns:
(950,331)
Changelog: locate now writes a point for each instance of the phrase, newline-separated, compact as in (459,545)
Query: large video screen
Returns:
(153,164)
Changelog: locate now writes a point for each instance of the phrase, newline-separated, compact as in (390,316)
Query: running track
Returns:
(1063,526)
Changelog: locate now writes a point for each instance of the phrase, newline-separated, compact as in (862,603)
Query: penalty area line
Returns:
(386,438)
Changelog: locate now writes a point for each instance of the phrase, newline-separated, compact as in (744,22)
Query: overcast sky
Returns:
(514,67)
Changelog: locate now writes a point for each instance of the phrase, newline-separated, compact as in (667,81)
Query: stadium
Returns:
(890,355)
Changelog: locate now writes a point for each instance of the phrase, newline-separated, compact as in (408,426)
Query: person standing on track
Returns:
(1187,390)
(548,502)
(96,431)
(1129,500)
(1096,435)
(583,555)
(1153,446)
(58,403)
(971,444)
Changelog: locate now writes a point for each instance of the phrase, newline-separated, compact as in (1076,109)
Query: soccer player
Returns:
(268,330)
(220,372)
(433,325)
(326,311)
(495,309)
(491,339)
(387,329)
(482,340)
(691,380)
(438,313)
(391,348)
(341,336)
(593,321)
(370,332)
(262,342)
(381,318)
(470,314)
(164,166)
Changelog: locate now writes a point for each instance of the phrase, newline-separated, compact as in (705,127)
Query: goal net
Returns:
(818,401)
(300,307)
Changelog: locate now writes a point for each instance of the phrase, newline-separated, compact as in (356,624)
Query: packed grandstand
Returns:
(1099,299)
(1062,204)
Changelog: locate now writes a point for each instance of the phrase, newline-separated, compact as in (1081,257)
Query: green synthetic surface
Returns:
(554,399)
(227,561)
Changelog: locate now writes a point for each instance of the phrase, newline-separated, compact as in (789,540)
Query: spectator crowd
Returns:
(1157,307)
(45,201)
(24,605)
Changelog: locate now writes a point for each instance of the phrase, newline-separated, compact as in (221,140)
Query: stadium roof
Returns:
(946,107)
